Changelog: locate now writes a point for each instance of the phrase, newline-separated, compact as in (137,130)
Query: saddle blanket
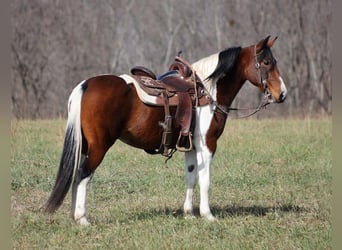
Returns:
(144,97)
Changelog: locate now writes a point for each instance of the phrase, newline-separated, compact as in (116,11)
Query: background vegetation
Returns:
(56,44)
(271,189)
(271,181)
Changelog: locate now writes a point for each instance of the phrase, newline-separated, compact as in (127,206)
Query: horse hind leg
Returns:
(79,188)
(79,191)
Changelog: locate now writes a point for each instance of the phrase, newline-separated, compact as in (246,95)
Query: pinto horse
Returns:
(105,108)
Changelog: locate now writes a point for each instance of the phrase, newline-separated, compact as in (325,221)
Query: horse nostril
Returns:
(282,96)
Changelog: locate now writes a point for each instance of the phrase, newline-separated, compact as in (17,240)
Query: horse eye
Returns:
(266,62)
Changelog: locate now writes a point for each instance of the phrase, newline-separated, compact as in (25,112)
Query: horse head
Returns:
(262,70)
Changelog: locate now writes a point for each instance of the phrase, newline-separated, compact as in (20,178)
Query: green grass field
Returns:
(271,189)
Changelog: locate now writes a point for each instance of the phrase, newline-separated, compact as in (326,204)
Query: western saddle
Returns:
(180,87)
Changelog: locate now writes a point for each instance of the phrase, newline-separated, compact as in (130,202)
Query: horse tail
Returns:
(72,149)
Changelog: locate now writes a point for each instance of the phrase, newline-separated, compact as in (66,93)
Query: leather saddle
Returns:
(180,87)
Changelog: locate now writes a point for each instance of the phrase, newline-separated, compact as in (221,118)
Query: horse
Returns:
(104,108)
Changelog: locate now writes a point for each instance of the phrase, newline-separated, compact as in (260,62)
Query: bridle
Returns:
(263,103)
(262,80)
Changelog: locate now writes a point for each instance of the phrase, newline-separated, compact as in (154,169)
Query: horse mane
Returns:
(226,63)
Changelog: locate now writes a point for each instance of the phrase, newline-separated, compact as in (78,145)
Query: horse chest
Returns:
(209,127)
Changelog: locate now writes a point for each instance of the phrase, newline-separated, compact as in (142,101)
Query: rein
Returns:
(263,103)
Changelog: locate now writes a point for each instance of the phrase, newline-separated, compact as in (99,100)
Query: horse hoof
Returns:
(189,217)
(83,221)
(209,218)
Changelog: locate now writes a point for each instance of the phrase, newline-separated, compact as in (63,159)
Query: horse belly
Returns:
(143,129)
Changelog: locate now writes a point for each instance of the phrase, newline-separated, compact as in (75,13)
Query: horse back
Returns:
(112,110)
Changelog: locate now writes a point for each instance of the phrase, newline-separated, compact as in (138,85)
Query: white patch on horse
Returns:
(74,120)
(204,68)
(201,157)
(191,177)
(144,97)
(80,208)
(283,86)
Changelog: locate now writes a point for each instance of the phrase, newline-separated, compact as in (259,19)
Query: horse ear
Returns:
(271,42)
(262,44)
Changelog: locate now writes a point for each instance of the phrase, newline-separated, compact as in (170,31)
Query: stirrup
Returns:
(181,139)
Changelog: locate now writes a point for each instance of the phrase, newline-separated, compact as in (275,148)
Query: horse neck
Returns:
(225,89)
(228,87)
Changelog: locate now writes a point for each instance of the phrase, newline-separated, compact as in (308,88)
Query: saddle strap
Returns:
(166,143)
(184,118)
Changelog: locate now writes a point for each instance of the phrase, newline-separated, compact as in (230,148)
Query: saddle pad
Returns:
(146,98)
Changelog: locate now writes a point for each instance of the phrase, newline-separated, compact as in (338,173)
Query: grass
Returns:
(271,189)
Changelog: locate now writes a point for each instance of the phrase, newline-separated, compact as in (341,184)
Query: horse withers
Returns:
(106,108)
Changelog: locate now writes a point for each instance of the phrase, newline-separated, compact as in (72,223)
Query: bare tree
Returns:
(56,44)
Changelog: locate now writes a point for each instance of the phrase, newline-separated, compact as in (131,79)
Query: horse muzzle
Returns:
(278,98)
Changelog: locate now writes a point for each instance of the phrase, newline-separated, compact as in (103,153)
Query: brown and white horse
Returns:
(105,108)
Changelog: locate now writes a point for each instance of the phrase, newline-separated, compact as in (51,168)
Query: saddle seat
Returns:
(174,80)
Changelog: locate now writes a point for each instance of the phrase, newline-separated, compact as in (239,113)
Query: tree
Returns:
(56,44)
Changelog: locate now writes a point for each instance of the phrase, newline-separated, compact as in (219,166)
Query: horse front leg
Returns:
(190,178)
(197,163)
(204,159)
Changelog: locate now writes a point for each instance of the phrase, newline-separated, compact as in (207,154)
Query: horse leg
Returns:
(191,177)
(79,190)
(204,158)
(82,177)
